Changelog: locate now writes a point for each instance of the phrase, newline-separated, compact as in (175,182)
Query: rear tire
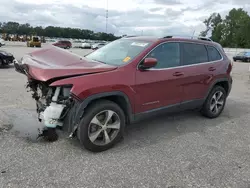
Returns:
(215,102)
(102,126)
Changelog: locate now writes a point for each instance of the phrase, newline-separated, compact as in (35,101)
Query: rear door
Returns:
(160,86)
(198,66)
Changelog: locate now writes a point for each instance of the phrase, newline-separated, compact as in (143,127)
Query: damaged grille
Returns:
(43,94)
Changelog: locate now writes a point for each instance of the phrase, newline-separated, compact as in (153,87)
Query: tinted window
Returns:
(64,42)
(167,55)
(213,53)
(35,39)
(194,53)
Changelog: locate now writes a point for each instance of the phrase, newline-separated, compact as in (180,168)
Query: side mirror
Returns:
(148,63)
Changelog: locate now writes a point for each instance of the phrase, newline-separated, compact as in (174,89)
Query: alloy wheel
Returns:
(104,127)
(217,102)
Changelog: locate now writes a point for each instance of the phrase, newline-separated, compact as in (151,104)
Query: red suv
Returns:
(63,44)
(130,79)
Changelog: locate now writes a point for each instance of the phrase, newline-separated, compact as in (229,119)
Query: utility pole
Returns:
(107,15)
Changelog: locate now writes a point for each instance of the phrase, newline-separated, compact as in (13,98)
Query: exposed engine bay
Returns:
(53,105)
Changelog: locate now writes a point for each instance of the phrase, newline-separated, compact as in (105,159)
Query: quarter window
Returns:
(194,54)
(213,53)
(167,55)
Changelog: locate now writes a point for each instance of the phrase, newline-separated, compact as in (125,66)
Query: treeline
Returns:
(232,31)
(51,31)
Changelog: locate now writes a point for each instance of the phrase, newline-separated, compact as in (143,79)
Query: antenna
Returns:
(107,15)
(193,34)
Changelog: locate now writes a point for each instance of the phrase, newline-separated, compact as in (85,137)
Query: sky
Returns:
(131,17)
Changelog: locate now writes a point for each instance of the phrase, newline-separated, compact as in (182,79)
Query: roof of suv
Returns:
(169,38)
(203,40)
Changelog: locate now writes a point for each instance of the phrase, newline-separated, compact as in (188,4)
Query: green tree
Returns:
(236,28)
(51,31)
(211,23)
(233,31)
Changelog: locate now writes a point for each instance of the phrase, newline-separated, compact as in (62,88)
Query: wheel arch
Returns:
(223,82)
(117,97)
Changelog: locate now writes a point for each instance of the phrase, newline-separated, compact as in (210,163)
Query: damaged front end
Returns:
(53,105)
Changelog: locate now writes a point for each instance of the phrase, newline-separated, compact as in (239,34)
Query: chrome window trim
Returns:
(181,66)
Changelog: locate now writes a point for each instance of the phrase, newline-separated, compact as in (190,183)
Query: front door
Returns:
(160,86)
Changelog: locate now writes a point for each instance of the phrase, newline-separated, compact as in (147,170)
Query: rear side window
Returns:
(213,53)
(194,53)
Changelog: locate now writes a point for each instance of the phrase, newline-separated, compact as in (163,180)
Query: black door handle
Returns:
(178,74)
(212,69)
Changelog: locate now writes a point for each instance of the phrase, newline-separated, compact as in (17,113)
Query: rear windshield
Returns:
(119,52)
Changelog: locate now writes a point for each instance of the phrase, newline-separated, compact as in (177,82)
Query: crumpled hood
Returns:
(53,62)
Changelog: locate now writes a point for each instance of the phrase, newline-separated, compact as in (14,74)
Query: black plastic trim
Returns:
(187,105)
(86,101)
(218,81)
(155,112)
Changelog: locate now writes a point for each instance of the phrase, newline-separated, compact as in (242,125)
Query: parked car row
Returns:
(67,44)
(93,46)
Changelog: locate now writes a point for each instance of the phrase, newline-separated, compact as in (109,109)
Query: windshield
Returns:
(118,52)
(247,54)
(35,39)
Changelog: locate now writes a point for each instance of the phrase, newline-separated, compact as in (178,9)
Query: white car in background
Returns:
(86,45)
(97,46)
(2,42)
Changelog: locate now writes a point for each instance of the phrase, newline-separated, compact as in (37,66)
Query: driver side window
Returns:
(167,55)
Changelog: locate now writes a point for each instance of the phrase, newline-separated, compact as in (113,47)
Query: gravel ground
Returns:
(185,150)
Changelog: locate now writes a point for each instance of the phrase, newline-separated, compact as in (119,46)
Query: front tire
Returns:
(102,126)
(215,102)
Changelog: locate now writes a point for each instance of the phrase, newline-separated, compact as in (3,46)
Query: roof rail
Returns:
(129,36)
(189,37)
